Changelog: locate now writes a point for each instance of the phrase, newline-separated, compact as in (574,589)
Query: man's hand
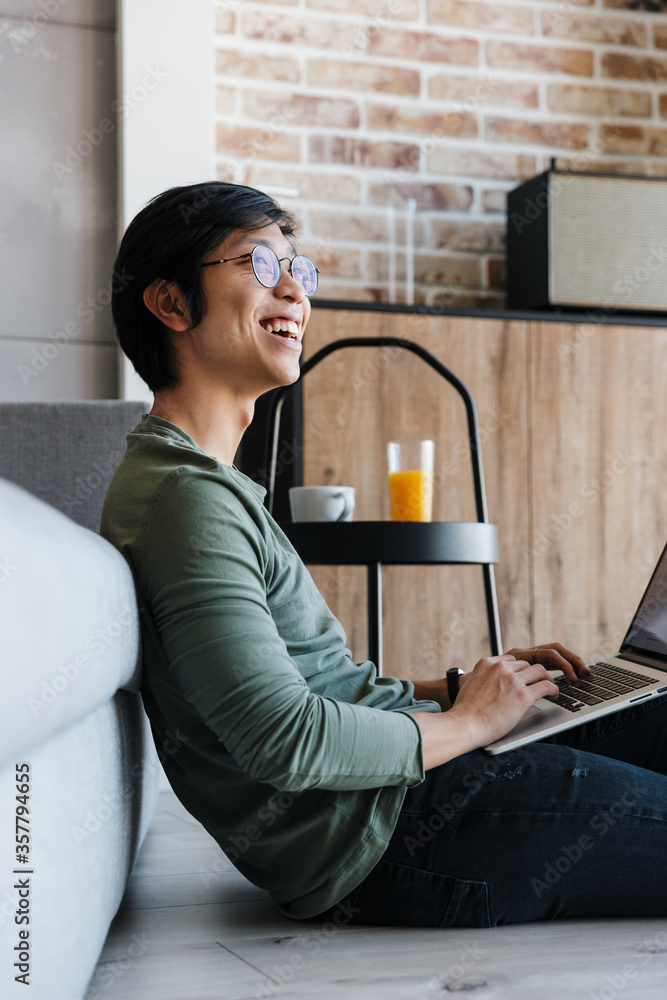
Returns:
(496,693)
(554,656)
(492,698)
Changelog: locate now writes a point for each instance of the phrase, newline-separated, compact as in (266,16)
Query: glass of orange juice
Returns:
(411,480)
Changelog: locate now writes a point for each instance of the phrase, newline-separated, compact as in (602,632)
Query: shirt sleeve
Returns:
(201,565)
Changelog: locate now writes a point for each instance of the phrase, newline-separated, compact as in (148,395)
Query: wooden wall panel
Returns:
(355,402)
(599,445)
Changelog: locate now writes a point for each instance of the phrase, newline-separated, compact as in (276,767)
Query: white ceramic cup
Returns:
(321,503)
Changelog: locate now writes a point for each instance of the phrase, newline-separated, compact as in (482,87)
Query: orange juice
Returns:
(411,494)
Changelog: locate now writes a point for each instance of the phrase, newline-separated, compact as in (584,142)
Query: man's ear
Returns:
(166,301)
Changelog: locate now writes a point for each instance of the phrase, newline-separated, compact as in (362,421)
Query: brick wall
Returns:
(345,107)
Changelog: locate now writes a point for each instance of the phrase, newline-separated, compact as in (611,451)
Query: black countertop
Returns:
(595,314)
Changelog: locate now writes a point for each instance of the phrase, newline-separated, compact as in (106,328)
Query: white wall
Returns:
(91,130)
(57,199)
(167,135)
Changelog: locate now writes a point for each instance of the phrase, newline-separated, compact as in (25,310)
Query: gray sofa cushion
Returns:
(66,453)
(93,793)
(70,707)
(70,631)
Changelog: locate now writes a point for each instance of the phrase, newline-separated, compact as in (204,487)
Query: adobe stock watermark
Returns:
(323,252)
(484,90)
(330,581)
(448,293)
(490,425)
(112,803)
(455,978)
(614,639)
(557,182)
(375,23)
(601,823)
(430,653)
(87,311)
(231,169)
(288,453)
(642,955)
(238,844)
(169,745)
(307,946)
(107,973)
(120,108)
(590,492)
(276,124)
(86,485)
(444,812)
(94,645)
(632,281)
(7,569)
(20,35)
(372,369)
(565,9)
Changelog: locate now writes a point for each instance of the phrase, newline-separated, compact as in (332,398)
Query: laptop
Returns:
(636,673)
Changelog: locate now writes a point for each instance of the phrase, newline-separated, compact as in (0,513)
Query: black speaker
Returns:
(577,239)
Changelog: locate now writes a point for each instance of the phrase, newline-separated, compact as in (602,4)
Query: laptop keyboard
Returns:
(605,681)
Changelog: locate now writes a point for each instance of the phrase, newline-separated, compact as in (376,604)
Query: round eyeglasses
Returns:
(266,266)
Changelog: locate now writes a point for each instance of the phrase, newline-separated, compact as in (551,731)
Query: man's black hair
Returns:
(170,238)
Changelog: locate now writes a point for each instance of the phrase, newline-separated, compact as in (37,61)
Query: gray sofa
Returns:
(71,708)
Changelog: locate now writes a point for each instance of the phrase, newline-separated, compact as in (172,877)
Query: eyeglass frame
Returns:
(263,246)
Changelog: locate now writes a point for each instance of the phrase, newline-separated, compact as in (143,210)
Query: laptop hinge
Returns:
(644,661)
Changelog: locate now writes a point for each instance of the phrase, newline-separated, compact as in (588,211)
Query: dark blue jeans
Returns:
(574,825)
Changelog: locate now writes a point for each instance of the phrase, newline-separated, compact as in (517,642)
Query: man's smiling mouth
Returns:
(286,328)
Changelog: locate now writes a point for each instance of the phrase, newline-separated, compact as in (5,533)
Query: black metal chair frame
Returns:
(395,542)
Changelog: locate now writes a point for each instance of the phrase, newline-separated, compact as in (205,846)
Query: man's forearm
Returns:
(444,736)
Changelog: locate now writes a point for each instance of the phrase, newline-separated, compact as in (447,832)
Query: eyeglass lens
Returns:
(267,269)
(304,271)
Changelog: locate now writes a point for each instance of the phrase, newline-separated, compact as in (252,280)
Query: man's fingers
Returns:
(555,661)
(532,674)
(536,673)
(573,658)
(535,676)
(545,689)
(557,656)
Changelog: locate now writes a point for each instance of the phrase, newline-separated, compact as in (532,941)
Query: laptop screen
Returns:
(648,630)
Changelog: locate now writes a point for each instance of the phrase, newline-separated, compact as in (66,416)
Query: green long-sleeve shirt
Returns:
(292,756)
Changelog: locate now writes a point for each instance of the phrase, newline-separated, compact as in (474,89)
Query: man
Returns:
(322,783)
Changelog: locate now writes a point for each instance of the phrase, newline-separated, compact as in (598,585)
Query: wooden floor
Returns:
(190,927)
